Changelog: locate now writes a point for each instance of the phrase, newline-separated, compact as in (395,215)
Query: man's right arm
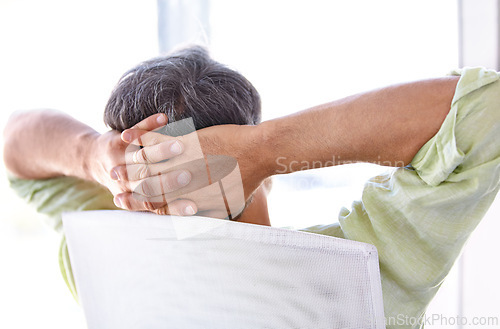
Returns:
(41,144)
(46,143)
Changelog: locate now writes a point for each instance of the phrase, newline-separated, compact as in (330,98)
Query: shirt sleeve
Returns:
(54,196)
(419,217)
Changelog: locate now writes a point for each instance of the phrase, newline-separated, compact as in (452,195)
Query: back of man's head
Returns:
(187,83)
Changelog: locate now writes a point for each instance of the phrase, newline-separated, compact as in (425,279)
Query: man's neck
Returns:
(256,212)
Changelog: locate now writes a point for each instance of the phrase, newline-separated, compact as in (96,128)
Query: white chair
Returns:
(140,270)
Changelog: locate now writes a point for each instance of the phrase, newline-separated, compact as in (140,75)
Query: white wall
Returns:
(479,33)
(65,55)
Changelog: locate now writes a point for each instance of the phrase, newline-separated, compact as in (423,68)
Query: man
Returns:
(58,168)
(444,132)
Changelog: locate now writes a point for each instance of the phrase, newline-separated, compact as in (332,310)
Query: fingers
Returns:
(127,201)
(140,171)
(214,183)
(223,199)
(179,180)
(144,137)
(145,126)
(152,122)
(155,153)
(180,207)
(162,184)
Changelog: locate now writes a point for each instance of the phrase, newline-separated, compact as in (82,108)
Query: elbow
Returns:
(14,132)
(11,134)
(21,136)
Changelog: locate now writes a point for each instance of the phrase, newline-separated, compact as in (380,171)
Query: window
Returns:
(299,54)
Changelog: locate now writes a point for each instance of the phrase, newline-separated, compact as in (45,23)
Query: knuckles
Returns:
(149,206)
(167,184)
(125,203)
(146,188)
(143,171)
(122,172)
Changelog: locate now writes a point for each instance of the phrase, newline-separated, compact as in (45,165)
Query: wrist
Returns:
(267,148)
(86,146)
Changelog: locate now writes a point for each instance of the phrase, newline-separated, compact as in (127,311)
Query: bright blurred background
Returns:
(68,55)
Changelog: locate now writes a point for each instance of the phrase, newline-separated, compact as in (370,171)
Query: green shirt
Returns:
(419,217)
(61,194)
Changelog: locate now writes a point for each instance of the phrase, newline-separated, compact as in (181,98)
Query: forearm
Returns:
(46,143)
(386,126)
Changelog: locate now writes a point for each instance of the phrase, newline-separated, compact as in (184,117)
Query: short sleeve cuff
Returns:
(440,156)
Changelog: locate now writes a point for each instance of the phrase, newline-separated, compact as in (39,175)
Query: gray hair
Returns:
(187,83)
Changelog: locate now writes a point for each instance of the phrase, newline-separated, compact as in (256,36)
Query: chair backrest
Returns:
(140,270)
